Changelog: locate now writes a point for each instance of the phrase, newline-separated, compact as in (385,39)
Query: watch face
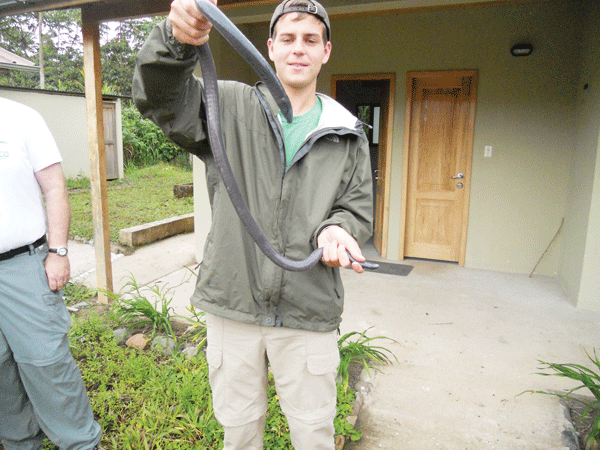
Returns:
(60,251)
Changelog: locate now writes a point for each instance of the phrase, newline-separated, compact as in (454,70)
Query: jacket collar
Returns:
(334,115)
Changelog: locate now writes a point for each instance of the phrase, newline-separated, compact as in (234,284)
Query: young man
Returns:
(41,390)
(308,185)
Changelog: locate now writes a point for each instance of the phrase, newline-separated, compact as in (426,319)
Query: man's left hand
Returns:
(58,270)
(335,241)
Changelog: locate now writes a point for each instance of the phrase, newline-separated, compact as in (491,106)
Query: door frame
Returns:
(385,151)
(469,138)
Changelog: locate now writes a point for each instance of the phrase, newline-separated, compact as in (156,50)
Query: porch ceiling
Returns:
(241,11)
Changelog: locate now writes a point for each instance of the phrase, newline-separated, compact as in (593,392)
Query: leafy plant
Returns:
(360,351)
(143,400)
(77,292)
(143,142)
(197,331)
(589,379)
(135,310)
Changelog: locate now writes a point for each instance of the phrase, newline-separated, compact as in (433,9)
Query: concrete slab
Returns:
(146,265)
(468,343)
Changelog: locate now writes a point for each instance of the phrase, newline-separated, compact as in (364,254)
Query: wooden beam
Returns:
(93,96)
(120,10)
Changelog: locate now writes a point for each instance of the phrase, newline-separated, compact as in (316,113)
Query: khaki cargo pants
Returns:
(304,366)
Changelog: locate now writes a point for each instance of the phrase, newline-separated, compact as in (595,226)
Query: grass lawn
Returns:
(143,195)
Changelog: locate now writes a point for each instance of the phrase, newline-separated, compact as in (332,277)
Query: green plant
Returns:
(589,379)
(360,351)
(197,331)
(143,400)
(77,292)
(135,310)
(143,142)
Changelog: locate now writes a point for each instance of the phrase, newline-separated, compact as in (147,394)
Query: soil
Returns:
(584,424)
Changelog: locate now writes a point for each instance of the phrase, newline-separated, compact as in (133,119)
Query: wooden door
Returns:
(438,154)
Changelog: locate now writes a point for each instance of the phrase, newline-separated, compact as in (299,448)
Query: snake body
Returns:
(253,57)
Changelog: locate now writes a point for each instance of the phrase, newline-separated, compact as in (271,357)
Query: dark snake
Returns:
(262,68)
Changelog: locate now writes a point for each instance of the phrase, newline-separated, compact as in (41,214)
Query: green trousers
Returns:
(41,390)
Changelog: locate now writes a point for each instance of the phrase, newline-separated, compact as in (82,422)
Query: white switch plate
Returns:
(487,153)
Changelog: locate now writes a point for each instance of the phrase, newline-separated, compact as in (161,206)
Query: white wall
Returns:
(66,118)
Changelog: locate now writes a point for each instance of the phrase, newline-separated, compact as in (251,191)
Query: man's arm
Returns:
(351,216)
(164,88)
(53,185)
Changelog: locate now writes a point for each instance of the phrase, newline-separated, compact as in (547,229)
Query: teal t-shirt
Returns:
(295,133)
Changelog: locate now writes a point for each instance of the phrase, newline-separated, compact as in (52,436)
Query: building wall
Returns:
(66,118)
(580,258)
(525,111)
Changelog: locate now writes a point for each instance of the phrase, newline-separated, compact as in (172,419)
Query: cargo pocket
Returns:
(59,315)
(323,356)
(214,356)
(214,335)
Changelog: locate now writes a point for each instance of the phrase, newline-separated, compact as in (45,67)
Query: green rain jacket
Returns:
(328,183)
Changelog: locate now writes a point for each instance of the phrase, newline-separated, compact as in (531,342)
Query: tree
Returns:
(118,53)
(62,50)
(17,34)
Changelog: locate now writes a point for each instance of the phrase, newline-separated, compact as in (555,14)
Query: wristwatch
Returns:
(60,251)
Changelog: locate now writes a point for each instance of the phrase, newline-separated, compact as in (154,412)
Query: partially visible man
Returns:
(41,390)
(307,184)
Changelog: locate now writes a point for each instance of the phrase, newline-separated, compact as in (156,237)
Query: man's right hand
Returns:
(189,25)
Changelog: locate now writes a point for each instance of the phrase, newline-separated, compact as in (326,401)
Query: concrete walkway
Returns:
(468,343)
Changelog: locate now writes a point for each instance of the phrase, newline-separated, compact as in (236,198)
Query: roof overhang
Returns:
(10,61)
(9,66)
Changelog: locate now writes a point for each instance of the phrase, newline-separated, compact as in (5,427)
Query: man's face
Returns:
(298,50)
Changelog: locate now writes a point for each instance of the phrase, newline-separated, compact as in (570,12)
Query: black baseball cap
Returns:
(303,6)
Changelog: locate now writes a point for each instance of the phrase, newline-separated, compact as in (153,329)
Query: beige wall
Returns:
(66,118)
(527,110)
(580,259)
(524,111)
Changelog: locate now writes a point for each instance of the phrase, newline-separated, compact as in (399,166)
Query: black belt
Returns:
(26,248)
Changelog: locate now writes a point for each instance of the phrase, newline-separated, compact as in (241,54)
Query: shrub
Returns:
(144,143)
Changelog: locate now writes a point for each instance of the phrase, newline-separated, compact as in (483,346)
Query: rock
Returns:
(352,420)
(339,442)
(166,345)
(139,341)
(120,334)
(190,352)
(364,387)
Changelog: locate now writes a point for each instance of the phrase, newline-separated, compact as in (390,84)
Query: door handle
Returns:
(460,176)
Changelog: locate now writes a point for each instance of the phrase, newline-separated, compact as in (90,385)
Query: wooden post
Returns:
(93,96)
